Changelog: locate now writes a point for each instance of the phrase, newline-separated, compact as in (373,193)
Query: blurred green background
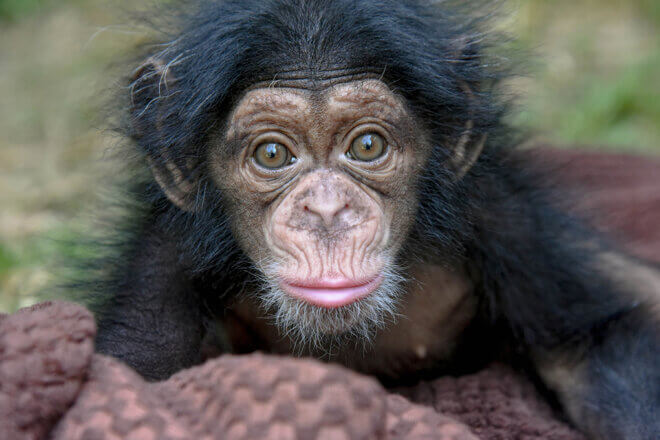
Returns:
(596,84)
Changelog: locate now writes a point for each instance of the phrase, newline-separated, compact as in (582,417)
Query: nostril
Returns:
(328,210)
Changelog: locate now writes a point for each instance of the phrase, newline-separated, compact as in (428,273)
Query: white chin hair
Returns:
(313,327)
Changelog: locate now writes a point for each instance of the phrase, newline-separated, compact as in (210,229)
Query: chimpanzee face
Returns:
(321,186)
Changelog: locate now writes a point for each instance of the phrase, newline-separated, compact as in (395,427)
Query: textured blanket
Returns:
(52,385)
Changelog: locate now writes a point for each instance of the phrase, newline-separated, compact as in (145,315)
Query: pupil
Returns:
(367,142)
(271,151)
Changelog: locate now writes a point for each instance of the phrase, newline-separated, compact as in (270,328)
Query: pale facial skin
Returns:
(323,186)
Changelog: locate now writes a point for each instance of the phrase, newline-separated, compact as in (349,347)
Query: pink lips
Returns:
(331,293)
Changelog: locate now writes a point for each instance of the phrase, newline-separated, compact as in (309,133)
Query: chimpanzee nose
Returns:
(330,210)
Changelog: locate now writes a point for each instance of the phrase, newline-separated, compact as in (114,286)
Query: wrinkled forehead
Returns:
(369,95)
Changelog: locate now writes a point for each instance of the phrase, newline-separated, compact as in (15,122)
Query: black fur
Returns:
(535,266)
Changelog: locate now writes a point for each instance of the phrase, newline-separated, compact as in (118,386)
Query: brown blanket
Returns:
(53,386)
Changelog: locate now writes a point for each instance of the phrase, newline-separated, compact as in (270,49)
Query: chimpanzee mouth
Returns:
(331,293)
(323,313)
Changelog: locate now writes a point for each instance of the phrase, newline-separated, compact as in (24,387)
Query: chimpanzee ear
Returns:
(179,185)
(152,85)
(470,144)
(467,150)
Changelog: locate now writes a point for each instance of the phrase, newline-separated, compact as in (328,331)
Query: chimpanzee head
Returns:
(328,139)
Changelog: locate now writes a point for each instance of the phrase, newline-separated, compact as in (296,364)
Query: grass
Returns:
(614,114)
(53,68)
(595,84)
(12,10)
(598,82)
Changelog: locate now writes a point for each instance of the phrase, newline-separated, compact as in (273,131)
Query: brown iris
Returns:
(273,155)
(367,147)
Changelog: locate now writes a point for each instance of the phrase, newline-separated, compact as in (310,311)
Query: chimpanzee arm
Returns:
(152,320)
(585,313)
(604,369)
(611,388)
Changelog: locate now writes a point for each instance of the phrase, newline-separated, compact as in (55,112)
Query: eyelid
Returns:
(271,137)
(382,124)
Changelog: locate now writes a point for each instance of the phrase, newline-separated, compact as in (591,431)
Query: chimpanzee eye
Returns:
(367,147)
(273,155)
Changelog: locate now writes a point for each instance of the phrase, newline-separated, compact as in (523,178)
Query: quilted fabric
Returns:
(53,386)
